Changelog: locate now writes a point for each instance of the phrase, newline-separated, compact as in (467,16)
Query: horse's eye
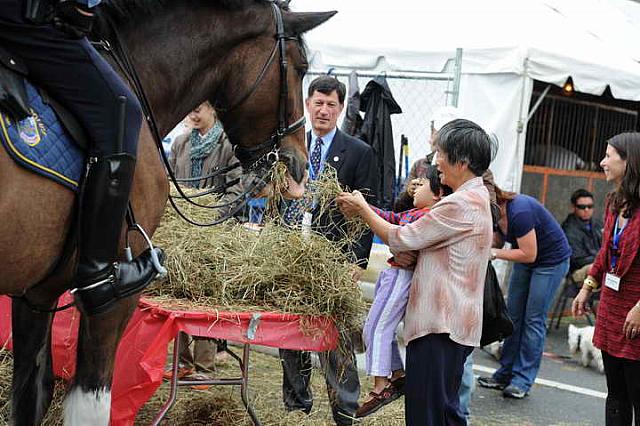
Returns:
(302,70)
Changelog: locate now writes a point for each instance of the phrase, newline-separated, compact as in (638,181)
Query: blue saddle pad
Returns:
(41,144)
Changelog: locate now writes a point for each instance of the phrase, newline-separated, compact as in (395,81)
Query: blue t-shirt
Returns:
(525,213)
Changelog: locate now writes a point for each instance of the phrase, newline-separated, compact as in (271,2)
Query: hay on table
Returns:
(231,267)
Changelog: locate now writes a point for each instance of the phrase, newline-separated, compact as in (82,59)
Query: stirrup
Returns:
(155,261)
(99,296)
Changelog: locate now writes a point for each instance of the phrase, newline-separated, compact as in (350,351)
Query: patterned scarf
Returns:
(201,147)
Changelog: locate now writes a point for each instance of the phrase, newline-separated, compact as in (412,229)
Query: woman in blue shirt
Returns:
(60,59)
(541,252)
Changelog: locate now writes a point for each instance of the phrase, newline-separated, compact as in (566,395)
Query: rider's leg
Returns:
(79,78)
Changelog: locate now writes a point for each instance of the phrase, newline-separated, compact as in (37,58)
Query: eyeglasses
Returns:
(584,206)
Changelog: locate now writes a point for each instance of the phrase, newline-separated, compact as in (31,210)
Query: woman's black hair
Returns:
(626,198)
(465,142)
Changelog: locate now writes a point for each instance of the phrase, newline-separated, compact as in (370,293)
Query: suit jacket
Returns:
(354,162)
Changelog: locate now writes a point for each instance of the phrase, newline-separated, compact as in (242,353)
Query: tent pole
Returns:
(538,102)
(520,127)
(457,74)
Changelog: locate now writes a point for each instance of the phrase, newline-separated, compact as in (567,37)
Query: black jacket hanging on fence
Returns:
(378,104)
(352,123)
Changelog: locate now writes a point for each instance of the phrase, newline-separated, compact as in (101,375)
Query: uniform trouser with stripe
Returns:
(74,74)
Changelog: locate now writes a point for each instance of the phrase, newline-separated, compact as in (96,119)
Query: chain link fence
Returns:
(418,95)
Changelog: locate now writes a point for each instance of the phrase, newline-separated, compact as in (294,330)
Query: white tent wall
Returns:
(506,43)
(497,102)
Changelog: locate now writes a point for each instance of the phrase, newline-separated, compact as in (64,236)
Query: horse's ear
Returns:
(301,22)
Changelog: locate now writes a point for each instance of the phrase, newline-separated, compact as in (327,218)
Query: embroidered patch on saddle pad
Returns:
(41,144)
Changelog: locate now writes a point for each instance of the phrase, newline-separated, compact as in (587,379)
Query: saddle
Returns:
(38,132)
(14,100)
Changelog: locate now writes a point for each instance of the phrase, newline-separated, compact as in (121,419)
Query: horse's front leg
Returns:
(33,381)
(88,401)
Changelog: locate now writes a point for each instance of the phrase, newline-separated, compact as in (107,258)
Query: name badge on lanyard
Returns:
(612,280)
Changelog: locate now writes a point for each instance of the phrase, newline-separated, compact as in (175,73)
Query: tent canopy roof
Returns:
(549,40)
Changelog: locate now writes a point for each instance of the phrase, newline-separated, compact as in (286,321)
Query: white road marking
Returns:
(552,384)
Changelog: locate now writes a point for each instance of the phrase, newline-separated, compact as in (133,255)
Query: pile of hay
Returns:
(54,415)
(279,268)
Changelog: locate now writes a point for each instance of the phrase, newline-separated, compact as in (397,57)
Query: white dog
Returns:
(582,338)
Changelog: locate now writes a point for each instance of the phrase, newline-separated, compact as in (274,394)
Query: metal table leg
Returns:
(173,394)
(244,387)
(243,381)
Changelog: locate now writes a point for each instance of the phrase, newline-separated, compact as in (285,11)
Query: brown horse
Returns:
(184,52)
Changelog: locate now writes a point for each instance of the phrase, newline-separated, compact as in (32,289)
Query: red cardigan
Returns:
(615,305)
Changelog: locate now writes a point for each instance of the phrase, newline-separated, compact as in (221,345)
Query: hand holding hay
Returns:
(351,204)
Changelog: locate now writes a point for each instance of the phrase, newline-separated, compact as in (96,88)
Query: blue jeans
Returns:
(467,385)
(531,291)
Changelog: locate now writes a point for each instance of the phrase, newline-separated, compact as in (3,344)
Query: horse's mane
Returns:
(124,10)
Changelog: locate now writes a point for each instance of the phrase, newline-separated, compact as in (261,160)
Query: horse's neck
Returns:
(180,70)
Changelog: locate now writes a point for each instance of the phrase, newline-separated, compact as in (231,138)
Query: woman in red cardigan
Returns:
(616,270)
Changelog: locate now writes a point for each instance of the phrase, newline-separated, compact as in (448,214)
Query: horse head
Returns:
(268,88)
(246,56)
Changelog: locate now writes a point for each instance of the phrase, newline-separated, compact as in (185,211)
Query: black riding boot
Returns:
(101,280)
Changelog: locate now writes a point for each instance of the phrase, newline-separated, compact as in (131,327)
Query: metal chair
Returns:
(569,290)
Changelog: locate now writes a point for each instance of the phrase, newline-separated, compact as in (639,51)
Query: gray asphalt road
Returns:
(545,405)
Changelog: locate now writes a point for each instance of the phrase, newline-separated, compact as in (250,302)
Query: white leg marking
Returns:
(87,408)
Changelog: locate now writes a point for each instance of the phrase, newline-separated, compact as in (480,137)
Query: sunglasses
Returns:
(584,206)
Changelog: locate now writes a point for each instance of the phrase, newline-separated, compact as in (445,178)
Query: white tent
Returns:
(506,45)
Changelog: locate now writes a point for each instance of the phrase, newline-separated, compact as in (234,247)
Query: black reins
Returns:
(261,156)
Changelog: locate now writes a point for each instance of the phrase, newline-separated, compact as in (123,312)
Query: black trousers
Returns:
(73,73)
(434,370)
(341,376)
(623,386)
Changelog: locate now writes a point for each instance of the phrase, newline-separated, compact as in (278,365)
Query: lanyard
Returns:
(617,233)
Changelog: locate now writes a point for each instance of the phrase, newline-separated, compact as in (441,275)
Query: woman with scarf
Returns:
(199,153)
(204,150)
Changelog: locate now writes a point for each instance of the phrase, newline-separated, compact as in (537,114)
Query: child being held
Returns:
(383,360)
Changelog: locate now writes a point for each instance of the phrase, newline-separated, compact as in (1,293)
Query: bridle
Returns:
(260,157)
(269,148)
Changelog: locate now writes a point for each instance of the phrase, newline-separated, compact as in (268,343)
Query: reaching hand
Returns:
(351,204)
(580,306)
(413,185)
(406,259)
(356,273)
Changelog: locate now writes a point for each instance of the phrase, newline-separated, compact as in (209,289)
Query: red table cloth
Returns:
(142,353)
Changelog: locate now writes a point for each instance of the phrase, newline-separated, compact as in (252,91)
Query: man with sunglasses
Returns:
(584,234)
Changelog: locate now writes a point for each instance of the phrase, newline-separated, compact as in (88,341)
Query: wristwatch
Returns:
(494,255)
(590,283)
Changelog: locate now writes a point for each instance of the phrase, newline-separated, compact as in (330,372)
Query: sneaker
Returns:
(491,383)
(513,391)
(182,373)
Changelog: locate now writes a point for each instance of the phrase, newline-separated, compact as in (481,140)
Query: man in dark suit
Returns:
(354,162)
